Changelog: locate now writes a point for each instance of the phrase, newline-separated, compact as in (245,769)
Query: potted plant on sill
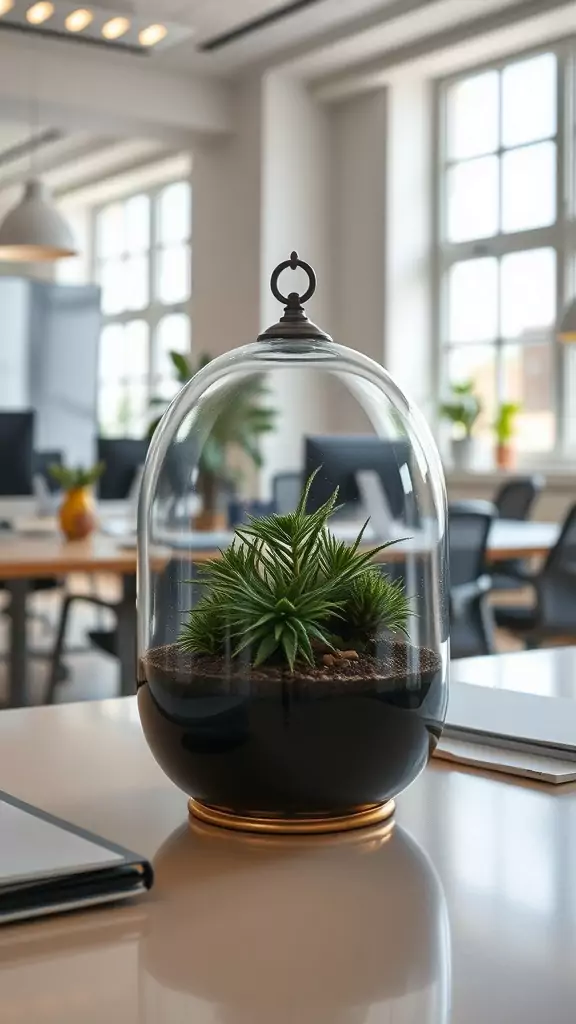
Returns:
(77,512)
(505,429)
(462,408)
(293,694)
(239,421)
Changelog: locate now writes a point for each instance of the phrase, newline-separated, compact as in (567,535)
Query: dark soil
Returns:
(396,664)
(323,740)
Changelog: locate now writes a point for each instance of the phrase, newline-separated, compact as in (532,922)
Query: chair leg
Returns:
(54,675)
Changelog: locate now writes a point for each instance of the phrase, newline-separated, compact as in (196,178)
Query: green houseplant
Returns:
(462,408)
(292,621)
(77,514)
(505,429)
(239,421)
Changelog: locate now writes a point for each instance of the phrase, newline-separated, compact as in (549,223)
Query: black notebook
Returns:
(48,866)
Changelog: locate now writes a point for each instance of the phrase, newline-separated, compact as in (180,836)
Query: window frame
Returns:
(559,236)
(155,311)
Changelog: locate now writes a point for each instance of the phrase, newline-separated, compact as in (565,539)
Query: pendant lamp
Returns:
(567,326)
(34,231)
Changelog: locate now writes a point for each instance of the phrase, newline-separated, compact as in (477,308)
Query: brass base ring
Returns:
(374,814)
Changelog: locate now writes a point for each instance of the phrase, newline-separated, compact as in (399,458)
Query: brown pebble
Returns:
(328,659)
(344,663)
(351,655)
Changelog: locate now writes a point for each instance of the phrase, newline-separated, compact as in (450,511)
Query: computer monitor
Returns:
(123,457)
(16,449)
(341,457)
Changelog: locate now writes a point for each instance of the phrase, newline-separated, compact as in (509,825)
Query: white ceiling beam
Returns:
(461,43)
(106,93)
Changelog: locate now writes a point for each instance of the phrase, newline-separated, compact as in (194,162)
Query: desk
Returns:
(25,558)
(466,915)
(508,539)
(549,672)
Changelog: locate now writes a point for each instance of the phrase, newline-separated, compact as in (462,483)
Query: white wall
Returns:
(295,202)
(358,149)
(409,338)
(226,187)
(14,345)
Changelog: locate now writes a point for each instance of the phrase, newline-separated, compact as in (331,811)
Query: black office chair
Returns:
(554,612)
(471,620)
(515,500)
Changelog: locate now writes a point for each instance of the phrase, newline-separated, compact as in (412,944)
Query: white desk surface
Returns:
(471,920)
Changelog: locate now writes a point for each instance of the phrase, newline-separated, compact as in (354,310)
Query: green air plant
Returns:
(287,590)
(505,423)
(72,478)
(237,417)
(462,406)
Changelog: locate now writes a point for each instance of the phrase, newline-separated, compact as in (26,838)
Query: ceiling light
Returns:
(39,12)
(79,20)
(34,230)
(5,6)
(152,35)
(115,28)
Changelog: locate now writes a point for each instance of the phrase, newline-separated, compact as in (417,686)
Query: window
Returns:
(501,242)
(142,263)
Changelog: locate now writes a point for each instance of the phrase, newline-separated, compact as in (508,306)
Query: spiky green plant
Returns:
(287,586)
(72,477)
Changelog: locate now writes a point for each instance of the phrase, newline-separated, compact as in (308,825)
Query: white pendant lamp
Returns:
(567,326)
(34,231)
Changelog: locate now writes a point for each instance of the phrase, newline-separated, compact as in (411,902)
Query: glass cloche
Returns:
(292,584)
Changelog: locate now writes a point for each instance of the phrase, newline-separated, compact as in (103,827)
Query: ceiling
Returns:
(325,36)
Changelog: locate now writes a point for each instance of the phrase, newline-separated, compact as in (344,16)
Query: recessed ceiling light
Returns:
(115,28)
(152,35)
(39,12)
(5,6)
(78,20)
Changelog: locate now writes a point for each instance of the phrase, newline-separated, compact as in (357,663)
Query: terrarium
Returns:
(293,669)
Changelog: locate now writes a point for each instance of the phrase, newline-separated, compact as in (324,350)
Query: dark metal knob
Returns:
(292,264)
(294,324)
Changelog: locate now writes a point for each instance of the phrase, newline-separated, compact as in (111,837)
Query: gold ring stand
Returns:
(374,814)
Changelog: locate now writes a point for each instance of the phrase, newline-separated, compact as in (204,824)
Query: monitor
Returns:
(123,458)
(16,453)
(341,457)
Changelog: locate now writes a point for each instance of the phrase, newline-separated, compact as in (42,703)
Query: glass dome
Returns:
(292,585)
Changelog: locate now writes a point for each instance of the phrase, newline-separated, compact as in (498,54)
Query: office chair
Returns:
(515,500)
(471,621)
(553,613)
(177,591)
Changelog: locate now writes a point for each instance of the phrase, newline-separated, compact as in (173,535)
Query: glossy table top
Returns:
(466,913)
(24,557)
(549,672)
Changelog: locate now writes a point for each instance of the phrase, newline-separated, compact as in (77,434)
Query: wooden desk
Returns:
(466,915)
(24,558)
(511,539)
(508,539)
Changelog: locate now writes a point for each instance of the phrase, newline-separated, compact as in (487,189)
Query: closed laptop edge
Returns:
(48,865)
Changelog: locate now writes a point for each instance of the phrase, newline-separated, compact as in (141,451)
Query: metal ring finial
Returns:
(291,264)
